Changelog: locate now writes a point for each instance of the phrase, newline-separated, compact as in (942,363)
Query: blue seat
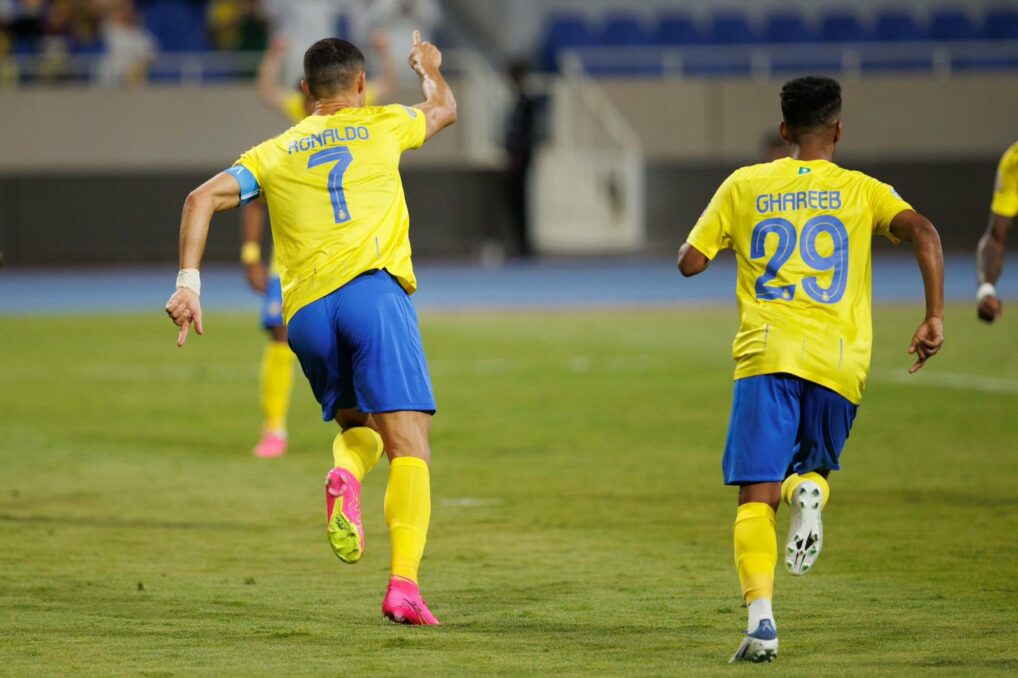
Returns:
(842,27)
(731,29)
(894,26)
(177,25)
(787,29)
(623,28)
(952,24)
(563,32)
(1001,24)
(677,29)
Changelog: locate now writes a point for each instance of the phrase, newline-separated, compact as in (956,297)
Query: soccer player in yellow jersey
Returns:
(276,373)
(990,254)
(341,231)
(801,228)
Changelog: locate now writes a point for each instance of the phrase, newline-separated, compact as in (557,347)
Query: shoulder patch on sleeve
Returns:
(249,188)
(411,110)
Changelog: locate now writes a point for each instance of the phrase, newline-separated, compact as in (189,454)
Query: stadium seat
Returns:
(677,29)
(178,26)
(952,24)
(623,28)
(787,29)
(731,29)
(1001,24)
(842,27)
(563,31)
(893,26)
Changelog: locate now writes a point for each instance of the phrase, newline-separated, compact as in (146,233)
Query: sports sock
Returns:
(276,385)
(407,513)
(759,609)
(756,550)
(792,482)
(357,450)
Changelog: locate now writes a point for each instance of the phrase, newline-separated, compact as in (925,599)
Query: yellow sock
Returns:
(276,384)
(407,513)
(792,482)
(357,450)
(756,550)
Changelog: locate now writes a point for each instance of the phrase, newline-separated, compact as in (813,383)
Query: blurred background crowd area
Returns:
(117,42)
(586,126)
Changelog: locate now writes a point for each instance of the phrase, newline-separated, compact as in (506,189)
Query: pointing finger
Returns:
(417,38)
(197,323)
(182,337)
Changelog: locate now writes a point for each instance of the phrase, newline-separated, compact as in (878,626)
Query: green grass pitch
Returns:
(580,525)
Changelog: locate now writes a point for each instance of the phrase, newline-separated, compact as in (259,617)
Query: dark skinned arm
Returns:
(910,226)
(990,263)
(691,261)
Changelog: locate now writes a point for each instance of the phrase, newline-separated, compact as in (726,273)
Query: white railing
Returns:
(588,184)
(767,60)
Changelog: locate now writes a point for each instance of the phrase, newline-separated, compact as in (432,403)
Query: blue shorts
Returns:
(272,304)
(360,347)
(782,424)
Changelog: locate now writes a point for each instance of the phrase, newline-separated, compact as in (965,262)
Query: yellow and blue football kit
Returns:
(1005,189)
(339,216)
(801,232)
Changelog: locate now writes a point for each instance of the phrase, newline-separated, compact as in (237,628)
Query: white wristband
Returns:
(189,278)
(986,290)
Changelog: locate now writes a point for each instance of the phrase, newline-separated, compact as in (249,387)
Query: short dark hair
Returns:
(810,102)
(332,65)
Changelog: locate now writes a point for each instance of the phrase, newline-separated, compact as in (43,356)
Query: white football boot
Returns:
(806,531)
(759,646)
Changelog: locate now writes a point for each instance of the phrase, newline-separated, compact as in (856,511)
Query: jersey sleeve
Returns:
(713,230)
(409,125)
(886,205)
(1005,188)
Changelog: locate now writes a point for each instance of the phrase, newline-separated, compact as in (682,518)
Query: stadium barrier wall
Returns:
(132,218)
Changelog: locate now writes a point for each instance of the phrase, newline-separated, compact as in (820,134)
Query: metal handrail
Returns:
(762,60)
(182,67)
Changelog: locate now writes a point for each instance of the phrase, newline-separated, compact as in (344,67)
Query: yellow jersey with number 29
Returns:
(802,233)
(335,198)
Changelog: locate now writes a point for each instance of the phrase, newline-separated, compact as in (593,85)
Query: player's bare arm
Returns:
(221,192)
(691,261)
(913,227)
(252,225)
(439,105)
(268,84)
(990,263)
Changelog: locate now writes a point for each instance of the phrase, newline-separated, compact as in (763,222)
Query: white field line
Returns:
(962,382)
(470,502)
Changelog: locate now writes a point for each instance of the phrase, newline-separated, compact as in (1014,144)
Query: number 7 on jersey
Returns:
(342,157)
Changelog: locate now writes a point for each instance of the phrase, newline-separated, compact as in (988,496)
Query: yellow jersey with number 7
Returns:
(335,198)
(802,233)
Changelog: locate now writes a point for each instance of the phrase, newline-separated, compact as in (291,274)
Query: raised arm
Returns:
(221,192)
(990,262)
(913,227)
(439,105)
(268,85)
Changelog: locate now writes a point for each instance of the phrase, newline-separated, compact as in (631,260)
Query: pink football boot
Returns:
(346,535)
(403,604)
(271,445)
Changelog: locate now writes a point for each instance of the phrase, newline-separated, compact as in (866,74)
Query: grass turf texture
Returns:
(579,525)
